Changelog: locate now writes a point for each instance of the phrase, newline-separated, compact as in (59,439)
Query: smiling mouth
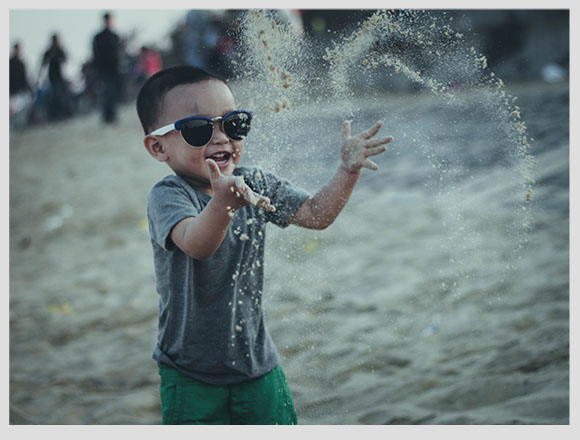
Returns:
(221,158)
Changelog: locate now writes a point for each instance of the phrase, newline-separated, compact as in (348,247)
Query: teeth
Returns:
(220,156)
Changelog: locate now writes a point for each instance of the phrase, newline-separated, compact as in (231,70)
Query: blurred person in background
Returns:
(58,94)
(200,37)
(106,56)
(20,90)
(148,63)
(18,77)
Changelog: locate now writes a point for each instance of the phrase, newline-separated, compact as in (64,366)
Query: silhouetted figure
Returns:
(20,91)
(58,96)
(106,55)
(18,79)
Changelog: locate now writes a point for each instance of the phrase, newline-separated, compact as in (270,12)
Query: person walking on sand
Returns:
(106,56)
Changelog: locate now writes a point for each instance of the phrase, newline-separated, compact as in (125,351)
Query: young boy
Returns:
(217,362)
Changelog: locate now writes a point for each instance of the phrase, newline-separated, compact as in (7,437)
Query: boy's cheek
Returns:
(238,151)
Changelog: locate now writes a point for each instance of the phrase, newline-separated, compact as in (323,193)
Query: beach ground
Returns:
(375,320)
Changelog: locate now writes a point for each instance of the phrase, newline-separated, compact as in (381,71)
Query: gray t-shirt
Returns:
(211,322)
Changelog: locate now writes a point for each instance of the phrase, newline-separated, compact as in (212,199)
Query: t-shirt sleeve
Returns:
(284,195)
(167,204)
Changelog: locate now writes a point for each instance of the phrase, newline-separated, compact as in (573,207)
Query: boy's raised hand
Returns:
(234,192)
(355,151)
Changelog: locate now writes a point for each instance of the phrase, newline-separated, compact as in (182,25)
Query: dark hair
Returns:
(151,96)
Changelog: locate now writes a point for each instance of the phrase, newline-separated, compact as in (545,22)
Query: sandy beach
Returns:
(425,303)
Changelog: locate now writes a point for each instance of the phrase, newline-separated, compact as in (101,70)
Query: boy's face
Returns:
(208,98)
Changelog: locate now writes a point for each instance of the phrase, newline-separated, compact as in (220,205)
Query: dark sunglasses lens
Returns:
(237,126)
(197,132)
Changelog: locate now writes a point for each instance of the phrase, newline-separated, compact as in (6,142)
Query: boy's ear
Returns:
(155,148)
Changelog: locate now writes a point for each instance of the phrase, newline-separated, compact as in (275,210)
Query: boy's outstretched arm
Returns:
(320,211)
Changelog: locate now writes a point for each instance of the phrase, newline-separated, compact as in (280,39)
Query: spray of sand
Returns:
(410,42)
(285,78)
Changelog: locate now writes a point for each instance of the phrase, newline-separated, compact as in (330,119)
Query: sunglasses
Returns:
(197,131)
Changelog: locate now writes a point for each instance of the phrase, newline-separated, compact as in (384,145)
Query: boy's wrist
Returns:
(350,170)
(223,205)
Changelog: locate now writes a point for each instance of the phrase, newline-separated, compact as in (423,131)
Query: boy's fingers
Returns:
(214,170)
(240,184)
(265,204)
(244,191)
(370,165)
(376,142)
(346,129)
(259,201)
(376,150)
(372,131)
(252,197)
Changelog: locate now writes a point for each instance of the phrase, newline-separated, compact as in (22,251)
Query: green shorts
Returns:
(263,401)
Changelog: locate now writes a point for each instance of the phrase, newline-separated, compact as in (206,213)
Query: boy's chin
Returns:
(228,168)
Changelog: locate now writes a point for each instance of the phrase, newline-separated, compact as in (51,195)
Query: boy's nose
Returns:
(219,137)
